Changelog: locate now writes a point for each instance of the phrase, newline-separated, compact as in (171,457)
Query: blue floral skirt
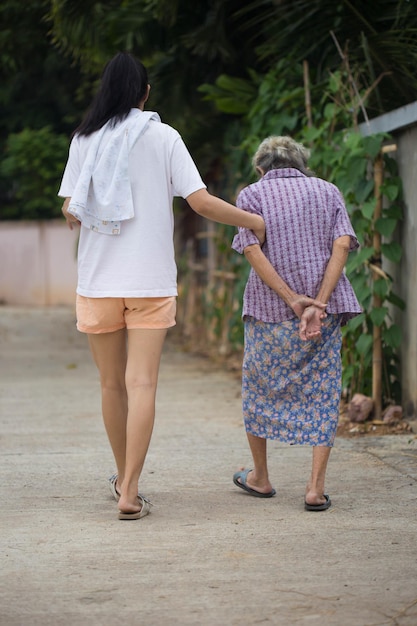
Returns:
(291,388)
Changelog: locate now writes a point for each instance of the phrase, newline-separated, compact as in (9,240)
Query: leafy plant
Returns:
(346,158)
(31,171)
(352,168)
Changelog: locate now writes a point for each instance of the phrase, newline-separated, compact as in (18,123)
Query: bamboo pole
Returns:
(376,300)
(307,96)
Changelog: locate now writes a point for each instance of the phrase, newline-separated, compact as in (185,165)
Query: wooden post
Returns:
(376,300)
(190,293)
(307,97)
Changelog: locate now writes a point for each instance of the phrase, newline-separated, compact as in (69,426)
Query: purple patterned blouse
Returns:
(303,216)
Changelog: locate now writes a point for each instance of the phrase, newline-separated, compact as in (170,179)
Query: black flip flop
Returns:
(243,475)
(318,507)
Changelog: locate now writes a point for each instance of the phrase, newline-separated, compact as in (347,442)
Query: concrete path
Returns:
(208,554)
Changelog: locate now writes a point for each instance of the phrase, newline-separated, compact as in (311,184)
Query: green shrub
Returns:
(30,174)
(343,156)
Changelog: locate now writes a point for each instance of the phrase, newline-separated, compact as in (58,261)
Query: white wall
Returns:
(402,124)
(37,263)
(406,278)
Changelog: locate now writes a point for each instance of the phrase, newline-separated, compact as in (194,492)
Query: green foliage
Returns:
(38,85)
(182,46)
(39,88)
(30,172)
(346,158)
(373,286)
(380,39)
(231,95)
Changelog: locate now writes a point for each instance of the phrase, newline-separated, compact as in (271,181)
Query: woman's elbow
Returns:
(252,251)
(199,201)
(342,244)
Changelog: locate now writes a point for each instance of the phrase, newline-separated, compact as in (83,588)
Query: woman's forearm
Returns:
(334,269)
(268,274)
(218,210)
(71,219)
(311,317)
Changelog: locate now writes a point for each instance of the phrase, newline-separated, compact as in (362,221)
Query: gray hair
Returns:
(279,152)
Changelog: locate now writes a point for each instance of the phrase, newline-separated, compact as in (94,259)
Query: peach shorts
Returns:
(106,315)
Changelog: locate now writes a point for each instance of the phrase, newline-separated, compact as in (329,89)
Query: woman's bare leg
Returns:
(110,355)
(258,478)
(315,486)
(144,355)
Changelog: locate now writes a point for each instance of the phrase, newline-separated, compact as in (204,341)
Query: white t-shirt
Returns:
(140,262)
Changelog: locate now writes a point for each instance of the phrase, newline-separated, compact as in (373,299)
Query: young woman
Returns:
(123,170)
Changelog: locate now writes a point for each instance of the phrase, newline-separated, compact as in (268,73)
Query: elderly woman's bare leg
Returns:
(258,478)
(315,487)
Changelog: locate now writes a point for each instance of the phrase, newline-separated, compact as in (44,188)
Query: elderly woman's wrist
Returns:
(294,301)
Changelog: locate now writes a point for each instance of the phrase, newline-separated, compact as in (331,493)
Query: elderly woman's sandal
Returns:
(240,479)
(319,507)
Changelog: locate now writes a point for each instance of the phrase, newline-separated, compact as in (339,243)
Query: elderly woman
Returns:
(291,380)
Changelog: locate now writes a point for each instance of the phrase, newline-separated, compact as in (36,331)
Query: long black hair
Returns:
(123,85)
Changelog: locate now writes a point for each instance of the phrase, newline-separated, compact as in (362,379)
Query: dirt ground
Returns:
(369,428)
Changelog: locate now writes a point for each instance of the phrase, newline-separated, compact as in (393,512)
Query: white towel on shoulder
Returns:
(102,197)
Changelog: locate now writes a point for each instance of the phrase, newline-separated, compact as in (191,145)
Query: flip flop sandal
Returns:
(116,494)
(145,510)
(319,507)
(240,480)
(112,487)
